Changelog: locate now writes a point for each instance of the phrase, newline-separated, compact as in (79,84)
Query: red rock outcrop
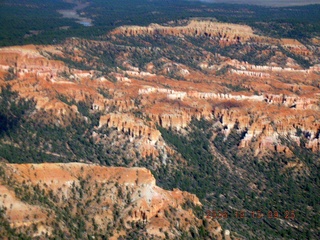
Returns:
(132,192)
(314,144)
(267,102)
(295,47)
(27,61)
(226,33)
(129,124)
(147,136)
(250,73)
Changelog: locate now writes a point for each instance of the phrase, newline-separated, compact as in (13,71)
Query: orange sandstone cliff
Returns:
(112,201)
(266,102)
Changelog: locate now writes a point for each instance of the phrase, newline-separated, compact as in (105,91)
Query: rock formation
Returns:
(226,33)
(266,102)
(250,73)
(106,195)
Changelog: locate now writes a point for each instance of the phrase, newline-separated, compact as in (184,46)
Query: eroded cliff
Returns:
(267,102)
(111,201)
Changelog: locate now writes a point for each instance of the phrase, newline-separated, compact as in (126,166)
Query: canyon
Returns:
(127,89)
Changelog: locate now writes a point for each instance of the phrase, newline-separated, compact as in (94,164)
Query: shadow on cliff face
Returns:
(175,103)
(227,104)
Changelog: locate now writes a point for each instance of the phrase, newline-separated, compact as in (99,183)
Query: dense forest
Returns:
(265,185)
(284,197)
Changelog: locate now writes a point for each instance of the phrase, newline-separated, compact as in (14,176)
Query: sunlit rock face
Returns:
(265,102)
(100,193)
(226,32)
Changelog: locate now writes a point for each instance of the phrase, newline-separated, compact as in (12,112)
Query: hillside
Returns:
(89,201)
(212,108)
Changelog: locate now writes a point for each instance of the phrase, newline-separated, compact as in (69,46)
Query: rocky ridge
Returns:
(225,32)
(169,103)
(108,196)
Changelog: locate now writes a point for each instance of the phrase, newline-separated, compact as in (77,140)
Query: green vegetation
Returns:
(224,177)
(300,60)
(20,18)
(12,111)
(36,21)
(25,137)
(6,230)
(212,173)
(69,218)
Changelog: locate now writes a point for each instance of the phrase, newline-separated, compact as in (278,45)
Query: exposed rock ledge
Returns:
(232,33)
(62,183)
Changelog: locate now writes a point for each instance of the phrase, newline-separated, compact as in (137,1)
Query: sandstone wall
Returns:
(226,33)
